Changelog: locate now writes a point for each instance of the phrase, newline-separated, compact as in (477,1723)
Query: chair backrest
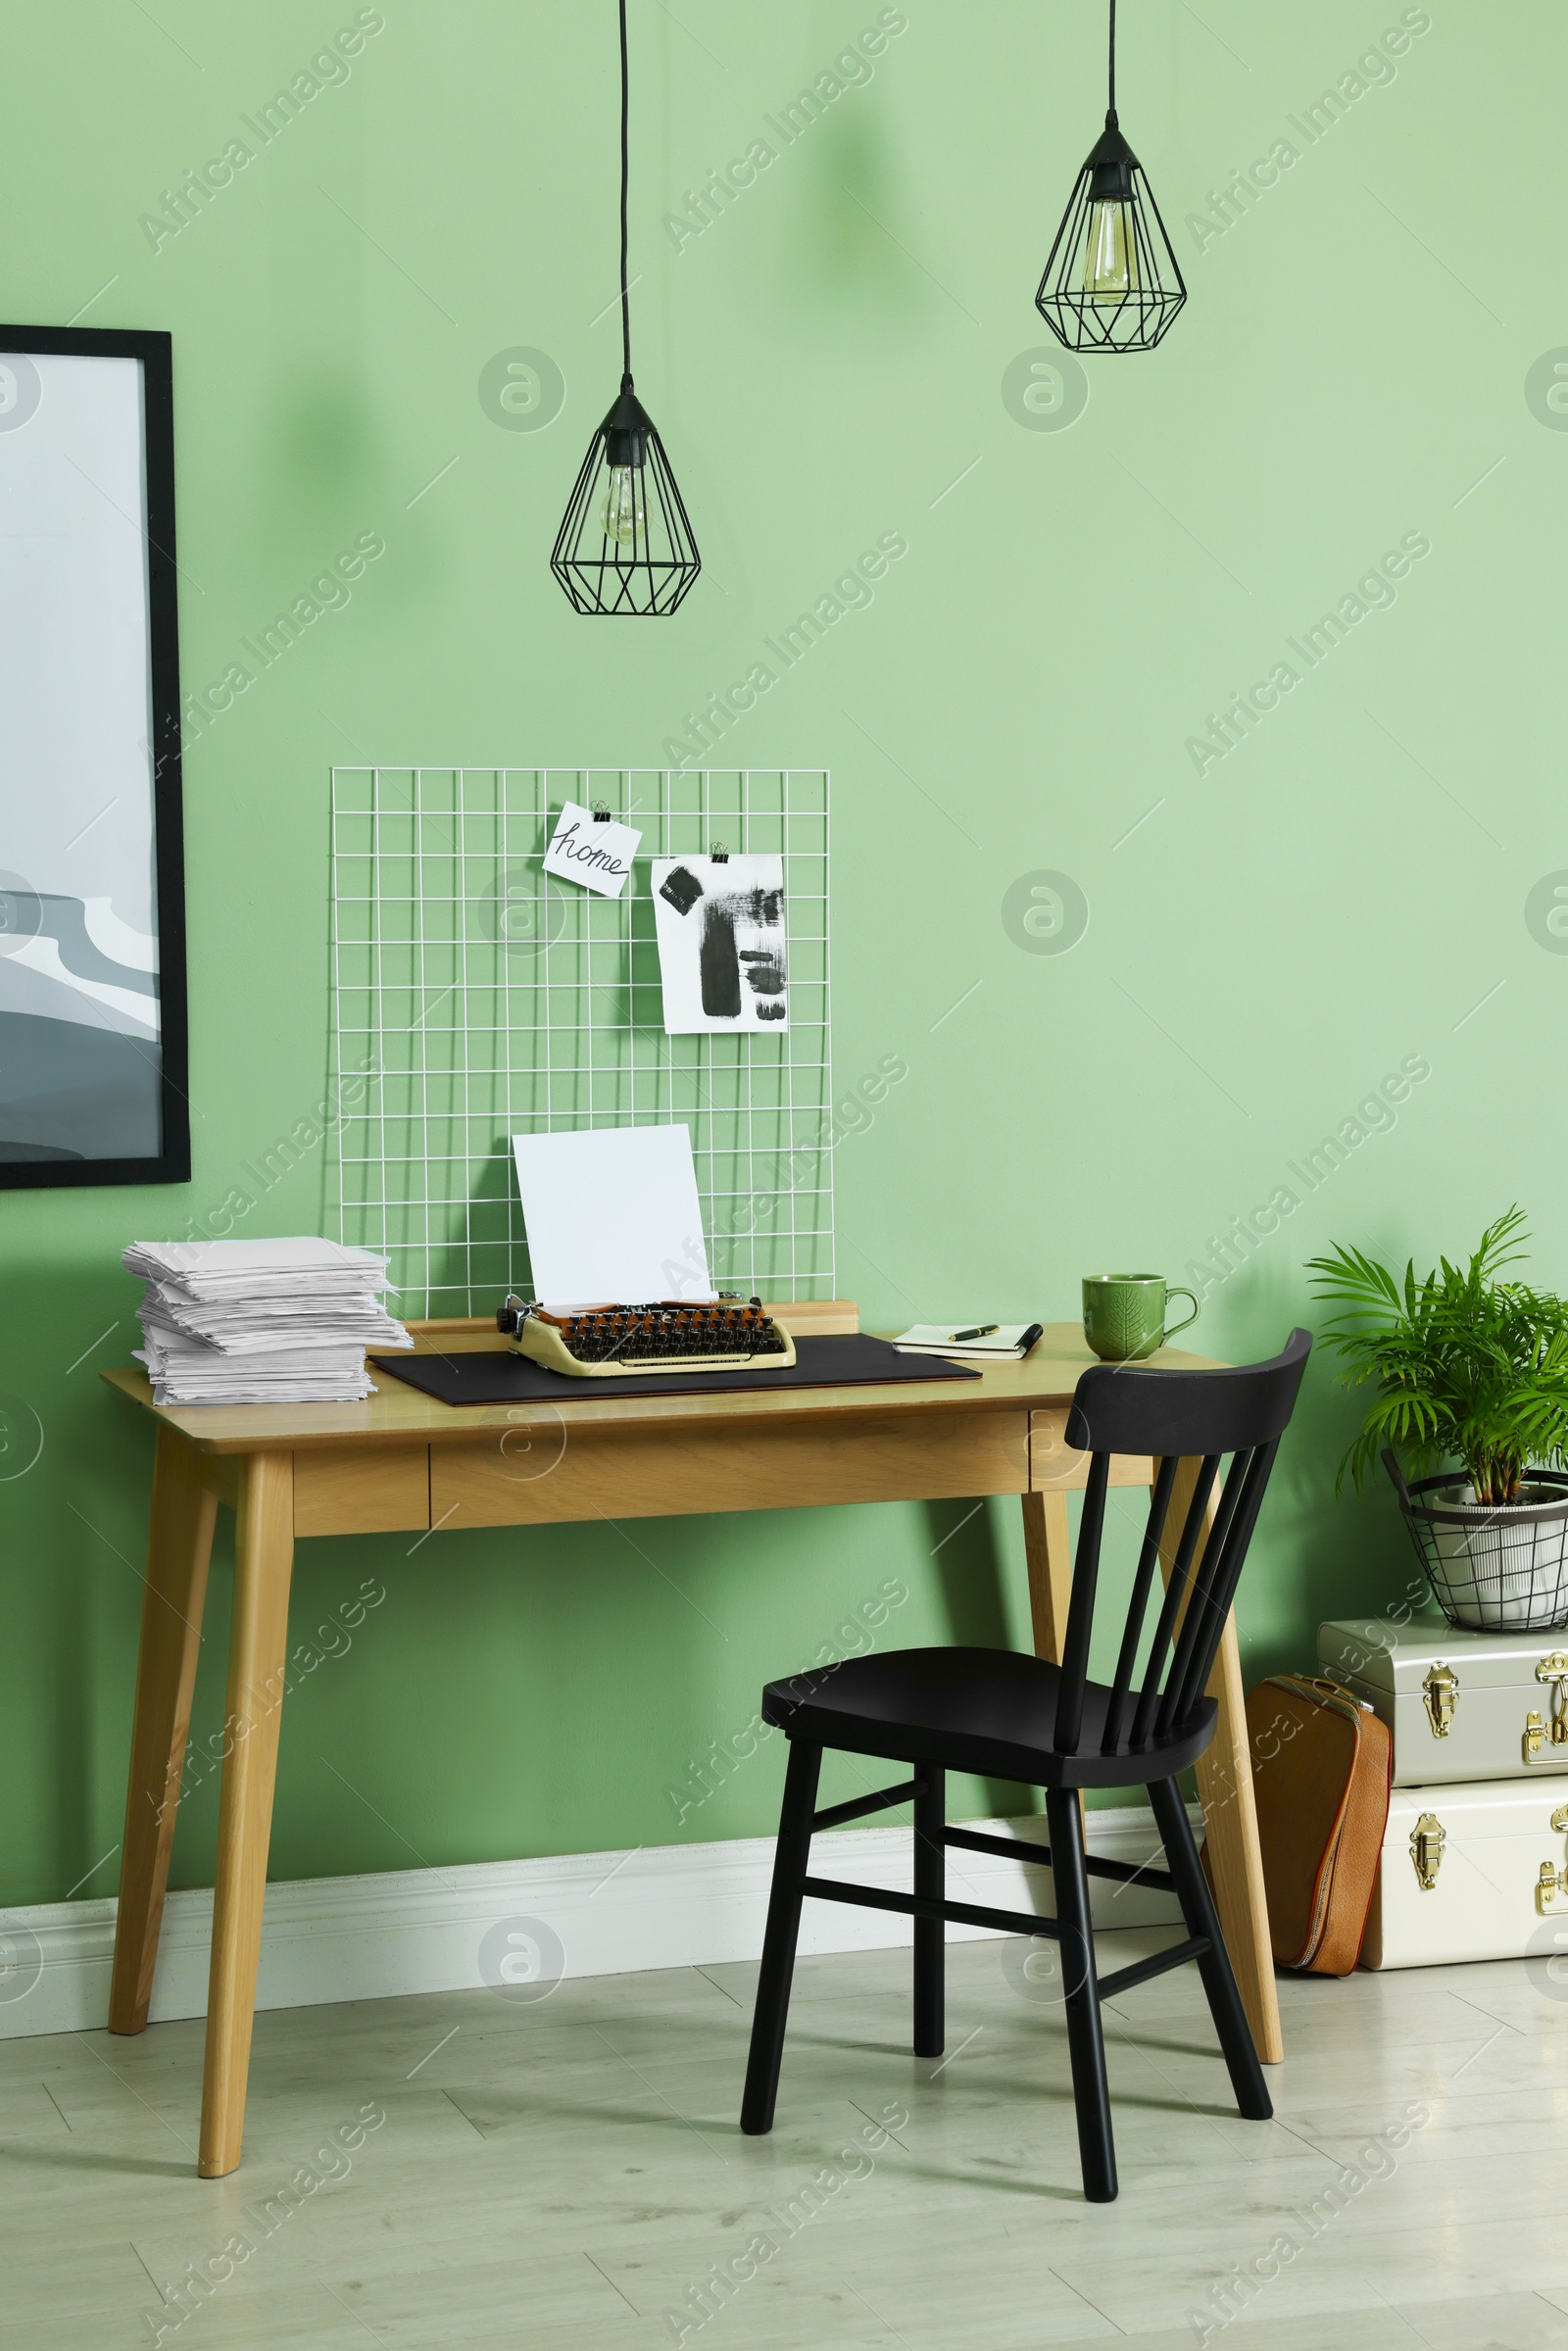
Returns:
(1171,1416)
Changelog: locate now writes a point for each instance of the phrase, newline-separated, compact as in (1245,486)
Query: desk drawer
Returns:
(1052,1462)
(362,1490)
(538,1476)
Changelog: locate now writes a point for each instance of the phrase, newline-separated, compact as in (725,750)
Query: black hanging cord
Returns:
(625,114)
(1111,109)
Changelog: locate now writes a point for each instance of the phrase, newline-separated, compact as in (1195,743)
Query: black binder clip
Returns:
(601,812)
(718,852)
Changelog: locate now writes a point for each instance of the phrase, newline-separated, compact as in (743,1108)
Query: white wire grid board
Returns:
(477,998)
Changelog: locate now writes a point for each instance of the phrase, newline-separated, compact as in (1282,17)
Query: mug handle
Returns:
(1170,1333)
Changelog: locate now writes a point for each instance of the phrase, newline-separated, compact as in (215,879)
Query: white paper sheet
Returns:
(596,851)
(613,1216)
(721,942)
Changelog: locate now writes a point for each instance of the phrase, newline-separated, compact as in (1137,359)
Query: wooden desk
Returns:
(404,1461)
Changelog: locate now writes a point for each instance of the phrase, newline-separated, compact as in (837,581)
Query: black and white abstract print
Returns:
(721,942)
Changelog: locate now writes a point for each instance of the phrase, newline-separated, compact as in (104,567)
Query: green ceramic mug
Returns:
(1124,1314)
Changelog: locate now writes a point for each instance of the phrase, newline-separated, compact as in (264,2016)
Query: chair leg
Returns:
(1086,2045)
(790,1861)
(930,1934)
(1219,1977)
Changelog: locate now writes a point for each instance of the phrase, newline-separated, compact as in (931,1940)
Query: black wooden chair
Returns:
(1008,1716)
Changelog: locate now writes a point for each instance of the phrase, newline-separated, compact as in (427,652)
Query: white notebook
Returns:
(938,1338)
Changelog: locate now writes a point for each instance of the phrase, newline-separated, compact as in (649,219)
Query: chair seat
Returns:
(991,1711)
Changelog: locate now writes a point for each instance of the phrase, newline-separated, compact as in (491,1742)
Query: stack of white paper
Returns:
(260,1322)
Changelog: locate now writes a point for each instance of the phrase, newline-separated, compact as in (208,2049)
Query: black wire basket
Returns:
(1492,1568)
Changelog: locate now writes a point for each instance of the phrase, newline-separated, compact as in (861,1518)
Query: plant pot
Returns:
(1492,1567)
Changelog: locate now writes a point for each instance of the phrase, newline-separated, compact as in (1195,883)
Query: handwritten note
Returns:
(594,851)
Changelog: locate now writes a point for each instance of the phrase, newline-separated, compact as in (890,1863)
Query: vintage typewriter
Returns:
(602,1343)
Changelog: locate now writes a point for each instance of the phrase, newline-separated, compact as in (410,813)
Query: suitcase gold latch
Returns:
(1441,1691)
(1534,1734)
(1427,1841)
(1551,1882)
(1554,1668)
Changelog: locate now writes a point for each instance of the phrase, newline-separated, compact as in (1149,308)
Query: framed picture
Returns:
(92,897)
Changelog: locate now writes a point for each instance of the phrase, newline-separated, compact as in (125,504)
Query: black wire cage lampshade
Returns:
(1113,281)
(625,545)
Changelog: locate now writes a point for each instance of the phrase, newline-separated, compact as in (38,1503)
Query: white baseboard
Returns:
(601,1914)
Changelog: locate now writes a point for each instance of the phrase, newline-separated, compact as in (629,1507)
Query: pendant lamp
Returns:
(625,545)
(1112,283)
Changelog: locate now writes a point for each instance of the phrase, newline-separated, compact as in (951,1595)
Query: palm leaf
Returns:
(1467,1366)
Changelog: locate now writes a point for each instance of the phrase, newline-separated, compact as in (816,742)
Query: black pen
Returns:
(982,1330)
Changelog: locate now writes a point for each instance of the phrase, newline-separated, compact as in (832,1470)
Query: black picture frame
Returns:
(171,1162)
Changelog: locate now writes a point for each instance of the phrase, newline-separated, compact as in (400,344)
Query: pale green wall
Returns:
(1335,895)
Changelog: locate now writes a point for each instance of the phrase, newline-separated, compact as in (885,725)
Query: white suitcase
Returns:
(1460,1705)
(1471,1872)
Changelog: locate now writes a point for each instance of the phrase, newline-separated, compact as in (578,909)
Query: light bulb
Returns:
(1110,257)
(622,513)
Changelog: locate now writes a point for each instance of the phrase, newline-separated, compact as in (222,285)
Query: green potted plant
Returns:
(1470,1367)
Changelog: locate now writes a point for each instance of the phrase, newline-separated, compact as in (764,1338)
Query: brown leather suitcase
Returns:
(1322,1768)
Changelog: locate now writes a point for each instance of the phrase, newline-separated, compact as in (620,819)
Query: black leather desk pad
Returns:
(499,1377)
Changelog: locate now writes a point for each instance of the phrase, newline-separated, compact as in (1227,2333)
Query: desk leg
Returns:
(180,1546)
(1048,1551)
(263,1558)
(1230,1818)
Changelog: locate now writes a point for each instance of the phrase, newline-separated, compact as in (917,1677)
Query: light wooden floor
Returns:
(560,2174)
